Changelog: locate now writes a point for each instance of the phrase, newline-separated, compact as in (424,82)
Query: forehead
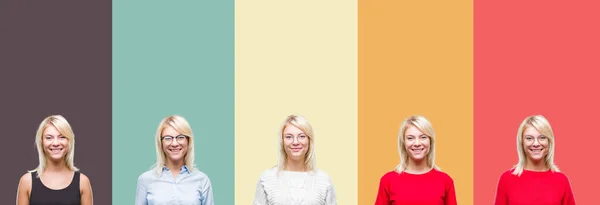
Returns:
(530,130)
(412,130)
(50,130)
(291,129)
(168,130)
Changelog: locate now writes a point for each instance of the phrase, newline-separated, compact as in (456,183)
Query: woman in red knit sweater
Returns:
(535,179)
(416,180)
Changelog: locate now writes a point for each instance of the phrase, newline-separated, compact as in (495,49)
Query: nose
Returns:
(296,141)
(174,143)
(418,142)
(55,141)
(536,142)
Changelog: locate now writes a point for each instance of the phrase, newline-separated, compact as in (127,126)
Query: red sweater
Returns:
(539,188)
(432,188)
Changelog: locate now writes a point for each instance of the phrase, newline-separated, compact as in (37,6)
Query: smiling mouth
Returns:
(175,151)
(417,151)
(296,149)
(537,151)
(55,150)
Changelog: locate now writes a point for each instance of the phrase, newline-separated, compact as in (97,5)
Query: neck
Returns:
(55,166)
(537,166)
(295,165)
(174,166)
(417,167)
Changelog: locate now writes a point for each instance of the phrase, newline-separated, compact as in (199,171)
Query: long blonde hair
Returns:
(302,124)
(542,125)
(182,126)
(62,125)
(424,126)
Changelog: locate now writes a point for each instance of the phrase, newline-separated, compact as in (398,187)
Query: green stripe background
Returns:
(173,57)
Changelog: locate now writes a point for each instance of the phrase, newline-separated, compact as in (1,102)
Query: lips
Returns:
(56,150)
(296,149)
(537,151)
(418,151)
(175,151)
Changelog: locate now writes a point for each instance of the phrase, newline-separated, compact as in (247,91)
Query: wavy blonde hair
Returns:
(541,124)
(182,126)
(424,126)
(62,125)
(302,124)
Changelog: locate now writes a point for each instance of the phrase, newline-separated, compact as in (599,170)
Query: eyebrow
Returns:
(534,136)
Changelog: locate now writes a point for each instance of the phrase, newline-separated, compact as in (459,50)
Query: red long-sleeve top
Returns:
(431,188)
(539,188)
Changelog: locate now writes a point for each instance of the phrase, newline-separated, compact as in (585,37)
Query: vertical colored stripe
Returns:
(172,58)
(296,58)
(536,58)
(415,58)
(55,59)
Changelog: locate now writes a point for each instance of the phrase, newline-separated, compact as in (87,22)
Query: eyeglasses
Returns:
(541,138)
(169,139)
(298,138)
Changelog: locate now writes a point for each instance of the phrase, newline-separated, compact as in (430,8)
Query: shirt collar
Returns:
(184,168)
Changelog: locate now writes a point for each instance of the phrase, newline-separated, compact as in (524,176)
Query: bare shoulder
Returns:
(26,178)
(25,182)
(84,182)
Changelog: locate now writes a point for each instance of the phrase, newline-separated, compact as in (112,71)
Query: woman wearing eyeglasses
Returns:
(295,180)
(535,179)
(56,180)
(174,179)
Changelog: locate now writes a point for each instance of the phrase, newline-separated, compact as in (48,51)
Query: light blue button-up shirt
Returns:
(188,188)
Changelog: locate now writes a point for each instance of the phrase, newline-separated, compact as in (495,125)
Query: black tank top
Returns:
(42,195)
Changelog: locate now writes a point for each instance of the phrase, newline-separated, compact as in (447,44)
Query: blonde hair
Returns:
(542,125)
(62,125)
(424,126)
(302,124)
(182,126)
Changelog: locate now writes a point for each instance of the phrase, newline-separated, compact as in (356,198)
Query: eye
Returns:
(543,137)
(423,136)
(168,138)
(63,137)
(288,136)
(48,137)
(302,136)
(180,137)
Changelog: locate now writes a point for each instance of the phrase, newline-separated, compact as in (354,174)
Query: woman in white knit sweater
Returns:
(295,180)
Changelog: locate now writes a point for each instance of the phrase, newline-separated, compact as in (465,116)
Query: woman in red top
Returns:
(535,179)
(416,180)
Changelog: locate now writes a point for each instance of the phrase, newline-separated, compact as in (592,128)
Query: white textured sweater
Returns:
(294,188)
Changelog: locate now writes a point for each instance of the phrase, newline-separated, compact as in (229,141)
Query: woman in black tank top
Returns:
(56,181)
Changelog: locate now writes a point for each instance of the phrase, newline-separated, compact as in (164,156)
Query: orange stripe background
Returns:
(415,58)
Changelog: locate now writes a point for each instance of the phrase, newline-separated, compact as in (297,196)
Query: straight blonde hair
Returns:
(302,124)
(182,126)
(541,124)
(424,126)
(62,125)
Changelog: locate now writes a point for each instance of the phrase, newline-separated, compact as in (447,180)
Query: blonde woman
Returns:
(416,180)
(535,179)
(174,179)
(295,180)
(56,180)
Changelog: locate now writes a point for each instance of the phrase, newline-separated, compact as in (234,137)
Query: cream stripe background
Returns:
(296,57)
